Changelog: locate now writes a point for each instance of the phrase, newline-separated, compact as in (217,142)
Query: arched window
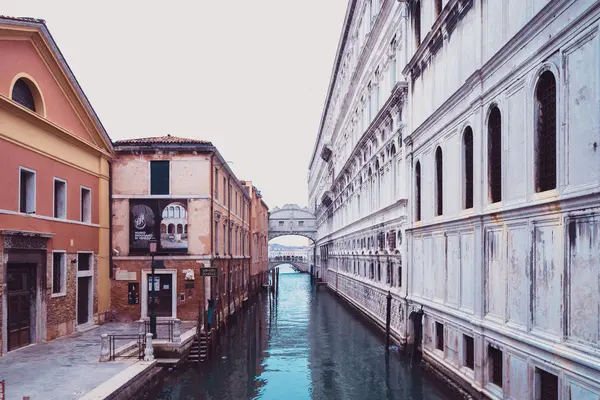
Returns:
(468,165)
(23,95)
(545,114)
(439,183)
(417,22)
(372,272)
(399,282)
(495,155)
(378,271)
(388,279)
(418,191)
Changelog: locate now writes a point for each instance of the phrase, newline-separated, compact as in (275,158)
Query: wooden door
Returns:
(83,298)
(21,294)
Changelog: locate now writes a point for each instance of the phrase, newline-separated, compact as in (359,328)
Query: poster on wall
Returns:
(163,220)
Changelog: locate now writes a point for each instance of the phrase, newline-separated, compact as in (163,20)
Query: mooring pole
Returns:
(387,320)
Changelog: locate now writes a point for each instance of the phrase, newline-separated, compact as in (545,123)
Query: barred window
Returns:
(23,95)
(545,96)
(418,191)
(468,163)
(495,155)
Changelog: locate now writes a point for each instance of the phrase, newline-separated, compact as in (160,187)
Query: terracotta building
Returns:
(54,163)
(259,238)
(182,193)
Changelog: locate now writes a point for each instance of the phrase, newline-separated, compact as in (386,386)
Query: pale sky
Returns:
(249,76)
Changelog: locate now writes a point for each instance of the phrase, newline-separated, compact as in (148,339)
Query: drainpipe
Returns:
(229,245)
(110,224)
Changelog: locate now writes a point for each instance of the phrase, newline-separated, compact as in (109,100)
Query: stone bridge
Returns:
(292,220)
(300,265)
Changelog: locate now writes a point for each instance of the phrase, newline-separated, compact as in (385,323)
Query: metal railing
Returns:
(141,344)
(160,333)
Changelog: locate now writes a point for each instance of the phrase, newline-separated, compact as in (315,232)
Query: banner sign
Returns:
(163,220)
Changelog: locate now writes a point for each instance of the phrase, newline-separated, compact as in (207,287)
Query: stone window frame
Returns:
(89,273)
(62,292)
(145,273)
(64,213)
(85,217)
(34,196)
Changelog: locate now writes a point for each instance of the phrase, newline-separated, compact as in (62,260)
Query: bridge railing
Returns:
(289,258)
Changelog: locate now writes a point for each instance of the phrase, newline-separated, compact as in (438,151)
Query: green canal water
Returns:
(305,345)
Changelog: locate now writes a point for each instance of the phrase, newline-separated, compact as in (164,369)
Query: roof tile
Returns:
(160,140)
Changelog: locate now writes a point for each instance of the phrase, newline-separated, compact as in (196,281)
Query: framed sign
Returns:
(209,272)
(163,220)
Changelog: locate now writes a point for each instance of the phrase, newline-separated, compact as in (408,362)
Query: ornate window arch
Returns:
(25,91)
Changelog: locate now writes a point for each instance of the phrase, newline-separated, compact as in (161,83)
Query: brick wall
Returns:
(187,309)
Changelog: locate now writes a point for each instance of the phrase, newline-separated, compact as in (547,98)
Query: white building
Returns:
(501,168)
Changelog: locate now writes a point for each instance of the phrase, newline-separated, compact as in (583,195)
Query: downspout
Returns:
(229,287)
(110,223)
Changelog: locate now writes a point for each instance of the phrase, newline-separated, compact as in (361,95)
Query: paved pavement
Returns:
(64,368)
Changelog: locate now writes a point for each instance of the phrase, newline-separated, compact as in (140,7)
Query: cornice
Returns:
(40,36)
(48,126)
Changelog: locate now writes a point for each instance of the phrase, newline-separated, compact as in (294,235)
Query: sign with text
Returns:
(163,220)
(209,272)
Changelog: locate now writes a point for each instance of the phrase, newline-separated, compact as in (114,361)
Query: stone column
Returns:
(177,331)
(149,350)
(141,327)
(104,349)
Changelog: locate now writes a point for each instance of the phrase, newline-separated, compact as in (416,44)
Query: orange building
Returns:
(54,174)
(183,194)
(259,238)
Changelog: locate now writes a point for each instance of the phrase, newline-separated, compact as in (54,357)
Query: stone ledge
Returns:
(131,378)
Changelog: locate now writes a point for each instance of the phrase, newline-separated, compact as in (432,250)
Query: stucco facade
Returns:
(180,192)
(259,238)
(499,177)
(54,225)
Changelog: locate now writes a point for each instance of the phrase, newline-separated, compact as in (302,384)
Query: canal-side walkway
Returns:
(64,368)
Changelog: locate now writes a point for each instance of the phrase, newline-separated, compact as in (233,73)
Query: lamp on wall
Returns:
(153,244)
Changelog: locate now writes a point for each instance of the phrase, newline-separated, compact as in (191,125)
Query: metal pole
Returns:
(387,321)
(153,304)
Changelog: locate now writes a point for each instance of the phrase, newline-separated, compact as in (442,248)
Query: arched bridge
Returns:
(300,264)
(292,220)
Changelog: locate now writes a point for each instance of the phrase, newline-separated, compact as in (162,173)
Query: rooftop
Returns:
(161,140)
(23,19)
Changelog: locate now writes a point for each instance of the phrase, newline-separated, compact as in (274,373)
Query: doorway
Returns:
(83,299)
(21,304)
(163,293)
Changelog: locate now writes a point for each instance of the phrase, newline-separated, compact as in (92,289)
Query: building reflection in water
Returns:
(304,345)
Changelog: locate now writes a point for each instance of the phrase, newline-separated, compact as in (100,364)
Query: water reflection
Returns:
(306,345)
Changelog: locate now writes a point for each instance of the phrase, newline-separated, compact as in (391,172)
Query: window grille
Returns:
(23,95)
(468,152)
(546,132)
(495,155)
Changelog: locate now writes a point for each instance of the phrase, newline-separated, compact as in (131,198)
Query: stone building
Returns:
(259,238)
(182,193)
(501,170)
(356,177)
(54,163)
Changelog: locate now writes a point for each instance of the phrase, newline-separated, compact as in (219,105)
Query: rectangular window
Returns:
(546,387)
(224,239)
(159,177)
(27,191)
(84,261)
(301,223)
(86,205)
(59,273)
(439,335)
(216,237)
(469,351)
(216,183)
(60,198)
(495,366)
(224,191)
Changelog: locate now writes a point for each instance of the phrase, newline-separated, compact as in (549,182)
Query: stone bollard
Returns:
(141,327)
(104,350)
(149,350)
(177,331)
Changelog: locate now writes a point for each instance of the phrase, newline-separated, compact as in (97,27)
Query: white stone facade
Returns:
(501,171)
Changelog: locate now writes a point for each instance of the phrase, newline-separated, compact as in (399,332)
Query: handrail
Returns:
(170,324)
(112,339)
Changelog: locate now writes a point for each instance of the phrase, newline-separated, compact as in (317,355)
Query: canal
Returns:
(305,345)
